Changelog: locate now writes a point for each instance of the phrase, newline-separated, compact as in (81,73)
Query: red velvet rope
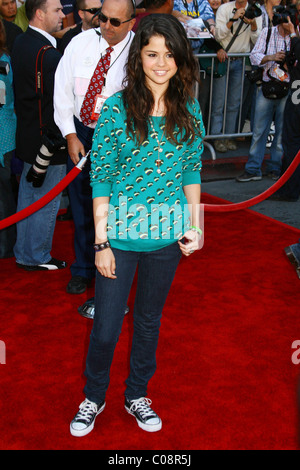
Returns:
(41,202)
(230,207)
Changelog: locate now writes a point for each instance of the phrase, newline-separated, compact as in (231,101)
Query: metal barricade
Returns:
(239,132)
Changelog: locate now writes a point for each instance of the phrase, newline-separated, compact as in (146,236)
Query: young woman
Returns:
(7,145)
(145,167)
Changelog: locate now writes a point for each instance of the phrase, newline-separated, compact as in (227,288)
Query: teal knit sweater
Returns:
(148,208)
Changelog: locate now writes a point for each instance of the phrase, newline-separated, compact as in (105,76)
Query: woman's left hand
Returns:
(192,242)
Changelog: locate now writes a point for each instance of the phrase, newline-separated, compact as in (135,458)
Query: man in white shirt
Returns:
(228,20)
(72,80)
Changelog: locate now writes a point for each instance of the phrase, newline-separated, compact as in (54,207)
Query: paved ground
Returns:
(218,179)
(287,212)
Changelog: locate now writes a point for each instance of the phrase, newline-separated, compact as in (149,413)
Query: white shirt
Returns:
(276,43)
(75,71)
(44,33)
(224,35)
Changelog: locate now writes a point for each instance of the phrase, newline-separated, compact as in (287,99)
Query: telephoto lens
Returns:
(51,142)
(37,173)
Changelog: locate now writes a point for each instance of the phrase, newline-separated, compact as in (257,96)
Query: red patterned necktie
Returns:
(95,87)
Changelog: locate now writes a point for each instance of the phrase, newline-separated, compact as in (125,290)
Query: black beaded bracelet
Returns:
(101,246)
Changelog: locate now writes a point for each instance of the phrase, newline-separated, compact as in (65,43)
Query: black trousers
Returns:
(291,146)
(7,208)
(80,195)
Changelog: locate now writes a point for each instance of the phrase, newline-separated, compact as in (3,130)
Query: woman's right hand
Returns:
(106,263)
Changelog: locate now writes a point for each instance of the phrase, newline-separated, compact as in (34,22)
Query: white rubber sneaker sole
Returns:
(146,427)
(84,432)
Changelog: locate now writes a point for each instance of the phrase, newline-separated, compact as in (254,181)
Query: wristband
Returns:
(293,35)
(196,229)
(233,20)
(101,246)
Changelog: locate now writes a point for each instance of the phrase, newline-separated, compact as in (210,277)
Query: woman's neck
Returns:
(158,110)
(158,93)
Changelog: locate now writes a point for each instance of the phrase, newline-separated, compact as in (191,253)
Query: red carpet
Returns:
(225,378)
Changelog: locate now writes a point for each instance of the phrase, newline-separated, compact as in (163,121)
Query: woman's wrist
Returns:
(194,228)
(101,246)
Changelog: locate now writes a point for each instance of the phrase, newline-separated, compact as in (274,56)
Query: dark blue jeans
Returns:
(156,272)
(7,208)
(80,195)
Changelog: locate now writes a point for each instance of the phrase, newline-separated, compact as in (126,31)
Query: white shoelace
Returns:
(86,410)
(142,405)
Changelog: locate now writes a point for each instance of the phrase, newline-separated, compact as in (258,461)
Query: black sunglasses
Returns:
(92,11)
(113,21)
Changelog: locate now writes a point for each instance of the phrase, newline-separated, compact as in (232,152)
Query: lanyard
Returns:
(195,4)
(99,34)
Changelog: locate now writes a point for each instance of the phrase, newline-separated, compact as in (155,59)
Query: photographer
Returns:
(290,191)
(237,28)
(270,53)
(35,233)
(7,146)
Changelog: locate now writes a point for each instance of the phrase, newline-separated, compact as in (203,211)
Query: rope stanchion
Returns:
(13,219)
(232,207)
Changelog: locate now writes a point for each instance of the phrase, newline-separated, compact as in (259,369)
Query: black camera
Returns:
(255,76)
(281,14)
(51,142)
(253,11)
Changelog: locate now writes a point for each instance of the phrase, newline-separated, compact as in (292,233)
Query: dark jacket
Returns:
(294,68)
(24,55)
(68,36)
(12,31)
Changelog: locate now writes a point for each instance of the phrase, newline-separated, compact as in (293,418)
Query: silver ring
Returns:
(192,251)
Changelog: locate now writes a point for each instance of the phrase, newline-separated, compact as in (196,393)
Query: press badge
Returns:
(99,101)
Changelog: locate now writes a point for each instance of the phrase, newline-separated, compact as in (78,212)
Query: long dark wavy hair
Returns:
(138,99)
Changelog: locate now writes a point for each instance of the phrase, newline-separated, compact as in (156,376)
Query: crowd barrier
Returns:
(205,89)
(13,219)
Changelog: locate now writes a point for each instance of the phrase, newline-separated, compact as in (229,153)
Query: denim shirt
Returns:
(8,120)
(202,10)
(195,9)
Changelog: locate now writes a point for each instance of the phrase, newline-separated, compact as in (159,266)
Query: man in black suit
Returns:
(35,233)
(12,31)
